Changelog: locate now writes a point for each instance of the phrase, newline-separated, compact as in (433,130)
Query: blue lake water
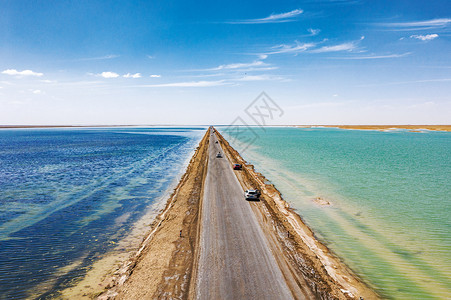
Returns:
(390,194)
(68,195)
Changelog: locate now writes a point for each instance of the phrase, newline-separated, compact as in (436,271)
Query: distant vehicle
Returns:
(252,194)
(216,142)
(219,155)
(237,166)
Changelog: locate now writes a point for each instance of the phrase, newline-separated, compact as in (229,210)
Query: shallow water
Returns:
(67,196)
(390,195)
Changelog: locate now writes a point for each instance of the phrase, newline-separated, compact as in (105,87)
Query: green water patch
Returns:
(358,256)
(406,254)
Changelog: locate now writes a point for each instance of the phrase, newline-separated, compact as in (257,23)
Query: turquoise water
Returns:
(68,196)
(389,217)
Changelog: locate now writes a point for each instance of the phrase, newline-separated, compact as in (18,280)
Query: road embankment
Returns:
(302,256)
(162,267)
(165,265)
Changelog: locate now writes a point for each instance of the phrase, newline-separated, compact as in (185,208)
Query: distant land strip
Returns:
(413,128)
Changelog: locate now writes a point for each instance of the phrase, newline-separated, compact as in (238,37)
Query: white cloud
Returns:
(427,37)
(111,56)
(273,18)
(434,22)
(150,56)
(310,47)
(116,75)
(230,81)
(108,75)
(350,46)
(257,63)
(36,92)
(374,56)
(335,48)
(14,72)
(136,75)
(155,76)
(49,81)
(258,69)
(259,78)
(438,80)
(296,48)
(419,25)
(189,84)
(314,32)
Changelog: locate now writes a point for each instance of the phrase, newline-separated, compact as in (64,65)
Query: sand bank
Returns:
(313,263)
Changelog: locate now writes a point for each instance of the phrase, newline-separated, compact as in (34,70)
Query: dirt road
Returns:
(235,261)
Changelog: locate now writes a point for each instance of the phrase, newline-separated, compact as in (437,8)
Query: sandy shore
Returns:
(414,128)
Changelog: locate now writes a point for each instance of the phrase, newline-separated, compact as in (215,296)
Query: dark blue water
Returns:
(63,190)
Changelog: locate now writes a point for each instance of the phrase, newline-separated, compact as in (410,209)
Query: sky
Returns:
(92,62)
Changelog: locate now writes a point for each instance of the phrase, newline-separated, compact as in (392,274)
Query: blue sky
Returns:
(203,62)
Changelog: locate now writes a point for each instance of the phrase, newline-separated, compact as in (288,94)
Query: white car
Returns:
(252,194)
